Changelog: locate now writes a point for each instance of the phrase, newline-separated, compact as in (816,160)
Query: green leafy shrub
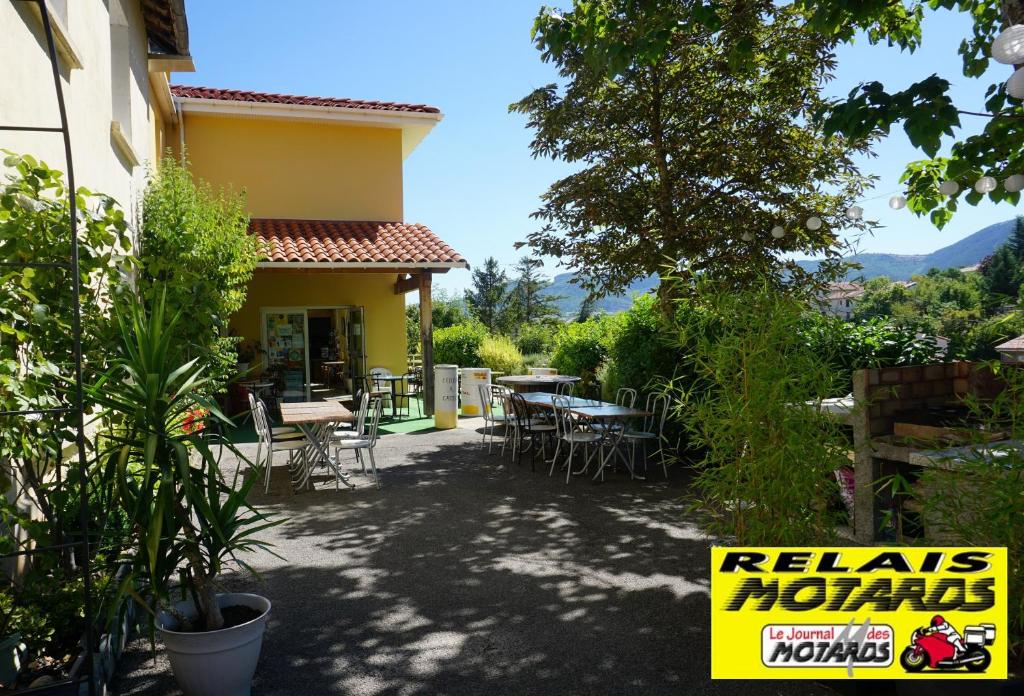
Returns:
(197,249)
(766,472)
(459,344)
(535,339)
(982,339)
(641,351)
(581,347)
(500,353)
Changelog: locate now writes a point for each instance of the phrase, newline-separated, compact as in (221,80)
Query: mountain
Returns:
(967,252)
(571,296)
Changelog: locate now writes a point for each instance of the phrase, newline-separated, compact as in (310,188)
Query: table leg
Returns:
(614,448)
(325,455)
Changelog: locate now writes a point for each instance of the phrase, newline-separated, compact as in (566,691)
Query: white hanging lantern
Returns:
(1014,183)
(814,223)
(898,202)
(1015,85)
(855,212)
(948,187)
(747,237)
(986,184)
(778,232)
(1008,47)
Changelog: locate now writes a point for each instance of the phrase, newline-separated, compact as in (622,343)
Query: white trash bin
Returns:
(446,396)
(472,378)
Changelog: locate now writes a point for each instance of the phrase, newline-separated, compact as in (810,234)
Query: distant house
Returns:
(839,299)
(1012,351)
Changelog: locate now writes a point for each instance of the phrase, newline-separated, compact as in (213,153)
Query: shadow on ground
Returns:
(467,574)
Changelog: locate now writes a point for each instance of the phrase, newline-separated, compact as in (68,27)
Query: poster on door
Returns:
(286,340)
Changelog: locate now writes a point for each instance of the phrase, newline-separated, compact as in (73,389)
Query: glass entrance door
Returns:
(286,340)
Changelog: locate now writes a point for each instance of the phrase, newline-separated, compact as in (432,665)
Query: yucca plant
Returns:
(186,519)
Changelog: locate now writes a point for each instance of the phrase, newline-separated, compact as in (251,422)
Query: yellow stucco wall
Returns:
(300,169)
(384,311)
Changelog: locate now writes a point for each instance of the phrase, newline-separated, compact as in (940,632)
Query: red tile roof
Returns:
(339,241)
(262,97)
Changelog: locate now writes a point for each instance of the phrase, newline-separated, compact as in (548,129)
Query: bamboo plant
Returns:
(187,520)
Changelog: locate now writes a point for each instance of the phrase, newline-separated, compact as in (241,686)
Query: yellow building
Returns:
(323,183)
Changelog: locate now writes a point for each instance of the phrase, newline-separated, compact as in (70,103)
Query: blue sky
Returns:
(473,180)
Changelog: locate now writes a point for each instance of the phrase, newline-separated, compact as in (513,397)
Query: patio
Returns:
(464,574)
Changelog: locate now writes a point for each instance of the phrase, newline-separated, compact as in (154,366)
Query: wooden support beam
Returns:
(427,342)
(407,284)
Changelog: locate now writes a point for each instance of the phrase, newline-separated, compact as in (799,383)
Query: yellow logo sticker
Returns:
(862,612)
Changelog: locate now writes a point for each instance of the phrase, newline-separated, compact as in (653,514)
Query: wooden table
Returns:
(316,420)
(535,383)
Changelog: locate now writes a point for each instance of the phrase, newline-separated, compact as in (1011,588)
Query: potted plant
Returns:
(188,519)
(247,351)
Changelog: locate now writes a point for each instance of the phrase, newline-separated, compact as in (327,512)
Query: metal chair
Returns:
(381,385)
(626,397)
(490,396)
(295,447)
(525,429)
(653,428)
(569,430)
(368,441)
(406,393)
(565,388)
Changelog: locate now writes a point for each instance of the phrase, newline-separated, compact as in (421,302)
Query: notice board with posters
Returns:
(858,612)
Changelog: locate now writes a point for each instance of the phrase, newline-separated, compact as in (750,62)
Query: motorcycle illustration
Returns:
(929,648)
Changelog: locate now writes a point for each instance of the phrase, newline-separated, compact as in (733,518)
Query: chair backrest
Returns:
(657,406)
(486,400)
(375,372)
(626,397)
(375,408)
(565,423)
(259,418)
(518,409)
(364,402)
(565,388)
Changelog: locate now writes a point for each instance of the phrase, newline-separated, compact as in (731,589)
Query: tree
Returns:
(534,304)
(1016,240)
(925,109)
(681,152)
(196,249)
(586,310)
(446,310)
(1002,275)
(489,297)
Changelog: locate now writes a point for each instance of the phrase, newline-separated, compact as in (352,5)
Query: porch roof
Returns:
(345,244)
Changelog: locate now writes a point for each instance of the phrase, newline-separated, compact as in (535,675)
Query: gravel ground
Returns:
(466,574)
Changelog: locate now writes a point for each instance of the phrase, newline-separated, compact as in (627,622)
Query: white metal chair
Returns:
(565,388)
(652,429)
(295,447)
(381,385)
(569,430)
(489,395)
(354,430)
(368,441)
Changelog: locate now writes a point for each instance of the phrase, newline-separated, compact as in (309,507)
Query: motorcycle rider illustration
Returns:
(940,625)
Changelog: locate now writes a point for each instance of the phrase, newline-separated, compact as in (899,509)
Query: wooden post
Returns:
(427,342)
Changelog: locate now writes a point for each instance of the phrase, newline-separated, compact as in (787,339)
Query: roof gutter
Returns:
(309,112)
(379,266)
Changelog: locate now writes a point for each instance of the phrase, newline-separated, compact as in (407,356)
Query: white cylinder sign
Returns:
(446,396)
(472,378)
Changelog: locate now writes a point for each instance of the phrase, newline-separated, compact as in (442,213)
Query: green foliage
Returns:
(459,344)
(980,501)
(37,343)
(928,114)
(745,408)
(500,353)
(532,303)
(641,352)
(196,249)
(982,339)
(581,347)
(489,299)
(535,338)
(651,182)
(446,310)
(188,520)
(1002,274)
(848,346)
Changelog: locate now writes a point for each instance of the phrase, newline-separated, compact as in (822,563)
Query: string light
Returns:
(948,187)
(814,223)
(1008,47)
(855,212)
(778,232)
(1014,183)
(986,184)
(747,237)
(898,202)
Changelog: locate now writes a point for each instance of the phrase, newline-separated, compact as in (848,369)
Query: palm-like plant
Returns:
(187,520)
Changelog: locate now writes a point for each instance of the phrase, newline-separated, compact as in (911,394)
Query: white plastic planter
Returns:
(216,663)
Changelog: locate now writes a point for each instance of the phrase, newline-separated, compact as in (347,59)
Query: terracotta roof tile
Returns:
(339,241)
(266,98)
